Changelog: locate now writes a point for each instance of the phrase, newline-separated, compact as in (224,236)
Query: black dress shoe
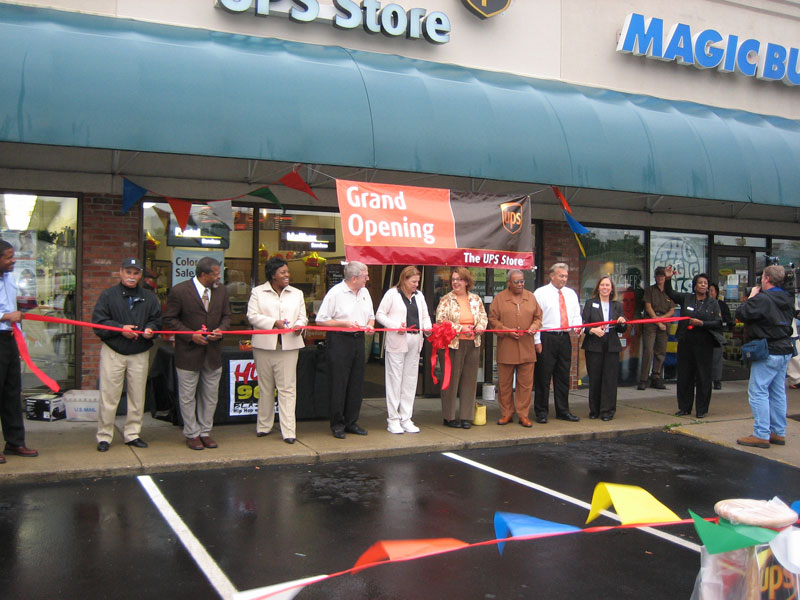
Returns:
(455,423)
(289,440)
(542,419)
(102,446)
(339,434)
(606,418)
(658,385)
(593,416)
(717,385)
(702,415)
(682,413)
(137,443)
(569,417)
(642,386)
(356,429)
(465,424)
(262,433)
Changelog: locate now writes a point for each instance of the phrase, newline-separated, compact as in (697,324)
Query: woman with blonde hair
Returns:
(466,313)
(403,307)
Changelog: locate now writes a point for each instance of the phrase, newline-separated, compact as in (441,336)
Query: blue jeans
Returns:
(767,393)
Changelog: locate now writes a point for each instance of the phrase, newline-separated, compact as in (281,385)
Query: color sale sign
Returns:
(392,224)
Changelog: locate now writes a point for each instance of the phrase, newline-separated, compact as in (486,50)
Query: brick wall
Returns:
(559,245)
(108,237)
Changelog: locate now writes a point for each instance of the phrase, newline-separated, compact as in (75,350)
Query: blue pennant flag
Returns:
(131,194)
(574,225)
(514,525)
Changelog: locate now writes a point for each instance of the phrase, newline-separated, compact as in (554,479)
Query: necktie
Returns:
(206,299)
(562,308)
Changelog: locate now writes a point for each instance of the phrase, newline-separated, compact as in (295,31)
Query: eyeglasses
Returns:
(455,279)
(518,282)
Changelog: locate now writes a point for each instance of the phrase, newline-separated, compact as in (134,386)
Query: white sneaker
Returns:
(410,427)
(395,428)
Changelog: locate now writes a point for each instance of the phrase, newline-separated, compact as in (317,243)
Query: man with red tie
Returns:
(560,309)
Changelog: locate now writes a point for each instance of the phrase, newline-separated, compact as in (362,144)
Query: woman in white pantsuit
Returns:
(403,307)
(277,305)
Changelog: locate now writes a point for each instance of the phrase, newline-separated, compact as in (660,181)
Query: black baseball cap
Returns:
(132,263)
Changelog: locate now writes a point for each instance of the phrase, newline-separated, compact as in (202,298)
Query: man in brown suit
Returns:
(515,310)
(194,305)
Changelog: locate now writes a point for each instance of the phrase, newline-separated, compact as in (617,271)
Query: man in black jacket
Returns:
(134,309)
(768,314)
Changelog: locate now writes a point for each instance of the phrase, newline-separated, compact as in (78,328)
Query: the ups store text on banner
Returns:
(403,225)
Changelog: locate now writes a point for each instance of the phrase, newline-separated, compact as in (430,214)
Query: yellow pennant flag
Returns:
(632,503)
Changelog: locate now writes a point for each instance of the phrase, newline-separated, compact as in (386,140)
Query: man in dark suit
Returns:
(194,305)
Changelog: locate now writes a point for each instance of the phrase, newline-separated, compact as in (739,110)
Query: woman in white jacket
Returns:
(277,305)
(403,306)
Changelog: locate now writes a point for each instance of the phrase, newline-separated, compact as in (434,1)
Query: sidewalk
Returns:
(68,449)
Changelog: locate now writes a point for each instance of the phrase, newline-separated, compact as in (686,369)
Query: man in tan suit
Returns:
(515,310)
(193,305)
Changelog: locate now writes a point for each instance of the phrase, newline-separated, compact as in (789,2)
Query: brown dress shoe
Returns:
(505,420)
(20,451)
(776,439)
(208,441)
(2,459)
(195,443)
(753,441)
(525,422)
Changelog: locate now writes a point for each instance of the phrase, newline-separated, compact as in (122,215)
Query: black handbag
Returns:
(755,350)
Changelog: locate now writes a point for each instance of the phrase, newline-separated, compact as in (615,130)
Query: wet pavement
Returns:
(268,524)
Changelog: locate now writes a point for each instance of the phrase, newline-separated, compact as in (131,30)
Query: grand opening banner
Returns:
(393,224)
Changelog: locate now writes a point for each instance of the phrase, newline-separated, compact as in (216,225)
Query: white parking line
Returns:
(203,559)
(545,490)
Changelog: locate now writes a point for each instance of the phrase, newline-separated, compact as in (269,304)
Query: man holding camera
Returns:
(768,314)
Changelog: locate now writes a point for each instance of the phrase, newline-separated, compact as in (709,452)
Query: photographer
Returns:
(768,314)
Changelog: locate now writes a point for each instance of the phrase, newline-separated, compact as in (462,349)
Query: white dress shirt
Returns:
(8,299)
(547,297)
(343,304)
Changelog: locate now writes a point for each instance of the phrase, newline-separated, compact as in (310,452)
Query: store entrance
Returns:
(733,270)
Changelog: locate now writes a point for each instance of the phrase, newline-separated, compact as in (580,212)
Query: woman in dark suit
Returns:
(697,339)
(602,348)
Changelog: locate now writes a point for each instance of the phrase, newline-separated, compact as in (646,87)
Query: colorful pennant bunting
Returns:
(223,209)
(181,209)
(561,198)
(294,181)
(632,503)
(574,225)
(266,194)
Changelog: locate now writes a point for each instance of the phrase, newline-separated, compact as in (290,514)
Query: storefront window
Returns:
(740,240)
(42,230)
(172,253)
(620,254)
(688,252)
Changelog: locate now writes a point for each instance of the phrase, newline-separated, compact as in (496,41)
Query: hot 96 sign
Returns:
(243,387)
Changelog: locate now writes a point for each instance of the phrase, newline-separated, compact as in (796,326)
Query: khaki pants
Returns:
(506,397)
(114,367)
(277,369)
(458,400)
(198,392)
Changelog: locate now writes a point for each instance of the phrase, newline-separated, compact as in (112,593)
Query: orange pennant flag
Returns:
(564,204)
(402,549)
(181,209)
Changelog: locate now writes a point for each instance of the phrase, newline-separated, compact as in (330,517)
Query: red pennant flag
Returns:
(404,549)
(181,209)
(294,181)
(560,196)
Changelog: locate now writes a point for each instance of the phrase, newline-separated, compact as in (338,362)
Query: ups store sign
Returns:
(392,20)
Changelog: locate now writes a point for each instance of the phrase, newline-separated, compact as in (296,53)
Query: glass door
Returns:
(733,270)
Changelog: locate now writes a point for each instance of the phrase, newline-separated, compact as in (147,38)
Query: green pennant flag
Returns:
(728,536)
(266,194)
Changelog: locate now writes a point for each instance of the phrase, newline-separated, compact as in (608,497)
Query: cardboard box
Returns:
(45,407)
(82,405)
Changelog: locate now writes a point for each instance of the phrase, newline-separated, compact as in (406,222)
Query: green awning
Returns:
(70,79)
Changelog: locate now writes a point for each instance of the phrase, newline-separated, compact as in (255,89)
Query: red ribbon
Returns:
(440,338)
(23,352)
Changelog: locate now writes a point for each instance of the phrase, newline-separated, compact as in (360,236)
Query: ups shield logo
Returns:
(486,8)
(512,217)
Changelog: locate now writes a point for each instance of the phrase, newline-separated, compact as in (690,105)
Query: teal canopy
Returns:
(77,80)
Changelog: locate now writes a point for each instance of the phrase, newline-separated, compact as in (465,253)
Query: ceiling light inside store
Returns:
(18,211)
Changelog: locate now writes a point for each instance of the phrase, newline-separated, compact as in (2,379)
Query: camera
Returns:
(790,282)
